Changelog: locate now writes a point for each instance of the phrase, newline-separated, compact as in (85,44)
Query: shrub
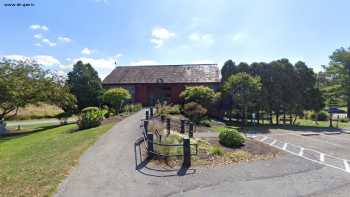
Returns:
(206,123)
(216,150)
(195,112)
(321,116)
(163,109)
(170,150)
(231,138)
(153,127)
(116,97)
(345,120)
(132,107)
(90,117)
(199,94)
(87,109)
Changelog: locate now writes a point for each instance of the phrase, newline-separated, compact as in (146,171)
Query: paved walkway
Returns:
(37,121)
(108,169)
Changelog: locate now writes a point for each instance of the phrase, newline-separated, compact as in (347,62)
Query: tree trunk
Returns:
(258,117)
(348,108)
(284,118)
(271,121)
(277,117)
(245,115)
(295,119)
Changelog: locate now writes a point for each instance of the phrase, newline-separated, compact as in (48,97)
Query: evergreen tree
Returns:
(85,84)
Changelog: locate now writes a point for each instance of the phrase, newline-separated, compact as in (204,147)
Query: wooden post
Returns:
(182,127)
(168,125)
(145,125)
(150,149)
(187,152)
(151,112)
(147,115)
(190,130)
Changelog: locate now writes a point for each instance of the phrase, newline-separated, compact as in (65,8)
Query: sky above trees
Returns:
(58,33)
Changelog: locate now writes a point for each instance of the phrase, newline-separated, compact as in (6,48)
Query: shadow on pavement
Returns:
(265,129)
(145,168)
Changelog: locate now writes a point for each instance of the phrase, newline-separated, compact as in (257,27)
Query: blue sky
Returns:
(58,33)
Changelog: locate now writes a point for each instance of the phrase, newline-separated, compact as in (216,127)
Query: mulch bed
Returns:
(252,146)
(251,150)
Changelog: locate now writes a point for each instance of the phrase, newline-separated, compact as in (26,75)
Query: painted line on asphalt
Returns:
(322,157)
(300,154)
(319,140)
(337,137)
(273,142)
(346,164)
(285,146)
(301,151)
(263,139)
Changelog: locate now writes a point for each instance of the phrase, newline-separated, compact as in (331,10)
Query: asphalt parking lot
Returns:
(331,149)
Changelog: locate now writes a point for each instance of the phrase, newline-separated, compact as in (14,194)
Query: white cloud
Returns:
(44,60)
(160,35)
(16,57)
(64,39)
(206,39)
(38,36)
(44,28)
(237,37)
(86,51)
(144,62)
(103,1)
(102,65)
(157,43)
(39,27)
(38,45)
(48,42)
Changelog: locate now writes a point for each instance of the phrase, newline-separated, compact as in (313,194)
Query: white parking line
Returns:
(263,139)
(285,146)
(322,157)
(301,151)
(301,154)
(346,164)
(273,142)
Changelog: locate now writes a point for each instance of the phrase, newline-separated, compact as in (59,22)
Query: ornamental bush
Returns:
(90,117)
(116,98)
(195,112)
(216,150)
(164,109)
(132,107)
(231,138)
(321,116)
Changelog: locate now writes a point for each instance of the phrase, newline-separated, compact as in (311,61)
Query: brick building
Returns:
(148,84)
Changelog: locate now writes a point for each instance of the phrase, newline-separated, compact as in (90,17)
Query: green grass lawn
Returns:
(301,123)
(34,164)
(33,127)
